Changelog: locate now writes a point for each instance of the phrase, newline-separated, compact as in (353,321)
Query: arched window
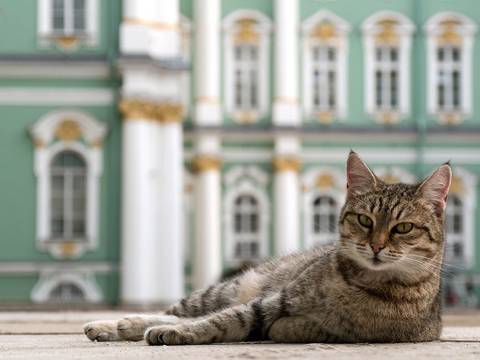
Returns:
(454,229)
(324,78)
(68,197)
(325,218)
(387,65)
(449,57)
(68,167)
(246,65)
(246,232)
(66,293)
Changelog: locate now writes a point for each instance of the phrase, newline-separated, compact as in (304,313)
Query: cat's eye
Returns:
(364,220)
(403,228)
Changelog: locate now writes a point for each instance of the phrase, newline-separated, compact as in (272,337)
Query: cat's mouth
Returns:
(376,260)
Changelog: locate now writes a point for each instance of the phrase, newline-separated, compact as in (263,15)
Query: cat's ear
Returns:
(360,178)
(435,187)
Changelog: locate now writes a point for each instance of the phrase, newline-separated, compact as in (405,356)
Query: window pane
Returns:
(67,292)
(379,88)
(58,16)
(393,89)
(456,89)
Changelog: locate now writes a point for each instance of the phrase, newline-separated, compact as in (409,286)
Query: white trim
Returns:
(13,95)
(401,155)
(405,29)
(22,267)
(46,35)
(53,70)
(340,43)
(50,279)
(264,28)
(311,191)
(43,132)
(186,53)
(245,180)
(467,30)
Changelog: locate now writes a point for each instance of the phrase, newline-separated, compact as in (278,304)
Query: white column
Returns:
(207,62)
(207,260)
(152,213)
(286,104)
(207,256)
(139,237)
(287,228)
(150,27)
(286,165)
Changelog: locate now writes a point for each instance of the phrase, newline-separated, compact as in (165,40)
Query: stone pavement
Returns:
(57,335)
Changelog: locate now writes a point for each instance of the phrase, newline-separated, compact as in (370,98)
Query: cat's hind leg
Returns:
(130,328)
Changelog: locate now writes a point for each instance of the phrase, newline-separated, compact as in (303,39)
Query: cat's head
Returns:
(394,227)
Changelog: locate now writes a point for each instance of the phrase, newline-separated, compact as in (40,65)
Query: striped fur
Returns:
(340,293)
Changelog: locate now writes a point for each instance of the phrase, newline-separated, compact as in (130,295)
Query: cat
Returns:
(379,283)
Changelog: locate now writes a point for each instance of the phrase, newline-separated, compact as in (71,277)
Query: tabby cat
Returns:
(379,283)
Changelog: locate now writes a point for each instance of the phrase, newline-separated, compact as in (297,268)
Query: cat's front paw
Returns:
(169,335)
(103,330)
(131,328)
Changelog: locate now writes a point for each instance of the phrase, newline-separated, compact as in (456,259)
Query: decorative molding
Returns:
(53,69)
(286,163)
(157,25)
(49,280)
(148,110)
(18,96)
(203,163)
(394,174)
(21,267)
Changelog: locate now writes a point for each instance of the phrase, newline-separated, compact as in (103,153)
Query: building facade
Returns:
(148,146)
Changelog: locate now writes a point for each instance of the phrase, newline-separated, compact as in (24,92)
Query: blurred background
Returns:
(148,148)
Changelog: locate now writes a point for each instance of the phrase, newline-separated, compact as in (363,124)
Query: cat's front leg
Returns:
(130,328)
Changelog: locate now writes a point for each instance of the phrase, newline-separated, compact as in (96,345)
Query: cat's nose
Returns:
(376,248)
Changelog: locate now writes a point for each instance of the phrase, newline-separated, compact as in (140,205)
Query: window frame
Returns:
(340,43)
(246,180)
(48,36)
(49,141)
(402,30)
(324,237)
(263,28)
(465,30)
(332,184)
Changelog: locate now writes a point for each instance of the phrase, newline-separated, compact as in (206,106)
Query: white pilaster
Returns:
(286,165)
(207,256)
(150,27)
(207,62)
(286,104)
(207,259)
(152,239)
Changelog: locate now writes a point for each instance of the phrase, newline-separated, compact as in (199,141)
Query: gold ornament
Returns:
(246,32)
(67,248)
(151,24)
(390,179)
(286,163)
(324,117)
(68,130)
(449,34)
(387,34)
(146,110)
(205,163)
(67,42)
(39,143)
(456,187)
(325,181)
(324,31)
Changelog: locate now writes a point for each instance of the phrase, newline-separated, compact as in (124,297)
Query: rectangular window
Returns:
(246,70)
(324,78)
(387,78)
(449,78)
(68,16)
